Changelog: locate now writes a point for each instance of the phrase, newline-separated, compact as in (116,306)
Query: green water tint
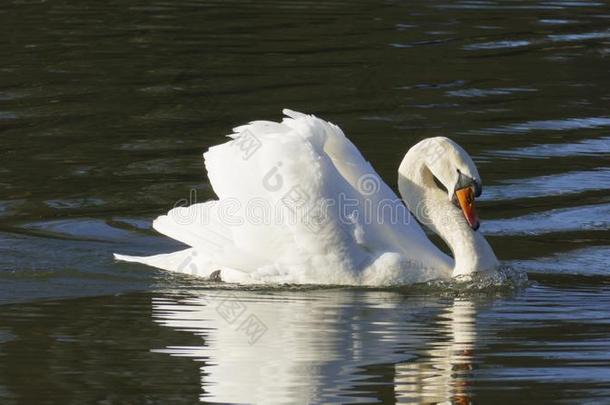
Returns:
(106,108)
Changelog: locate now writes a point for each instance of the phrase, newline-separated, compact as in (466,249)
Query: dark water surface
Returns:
(106,107)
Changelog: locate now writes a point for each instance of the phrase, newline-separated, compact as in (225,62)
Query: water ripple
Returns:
(503,44)
(556,184)
(81,228)
(597,146)
(7,115)
(591,217)
(499,91)
(552,38)
(579,37)
(556,21)
(565,124)
(588,261)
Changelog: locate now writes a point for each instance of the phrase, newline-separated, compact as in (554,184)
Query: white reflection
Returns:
(439,377)
(316,346)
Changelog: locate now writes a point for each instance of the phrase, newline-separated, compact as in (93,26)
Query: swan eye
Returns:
(439,184)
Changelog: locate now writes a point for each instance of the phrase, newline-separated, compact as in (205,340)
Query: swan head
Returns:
(455,172)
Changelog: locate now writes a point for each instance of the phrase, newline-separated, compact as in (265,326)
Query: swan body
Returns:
(298,203)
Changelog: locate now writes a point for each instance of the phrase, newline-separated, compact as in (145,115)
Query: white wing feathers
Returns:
(279,218)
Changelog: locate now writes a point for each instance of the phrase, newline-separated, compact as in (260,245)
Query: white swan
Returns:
(297,203)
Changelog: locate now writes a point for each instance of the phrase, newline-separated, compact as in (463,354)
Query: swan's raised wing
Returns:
(292,207)
(279,190)
(388,223)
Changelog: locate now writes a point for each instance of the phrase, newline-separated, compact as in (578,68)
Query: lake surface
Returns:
(106,108)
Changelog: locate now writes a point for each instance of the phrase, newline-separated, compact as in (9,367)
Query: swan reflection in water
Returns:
(325,346)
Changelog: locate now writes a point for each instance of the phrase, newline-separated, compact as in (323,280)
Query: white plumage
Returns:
(298,203)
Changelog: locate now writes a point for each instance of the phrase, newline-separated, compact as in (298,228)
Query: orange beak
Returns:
(465,197)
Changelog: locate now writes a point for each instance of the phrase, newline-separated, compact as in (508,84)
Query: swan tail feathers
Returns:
(293,114)
(197,226)
(186,261)
(190,262)
(207,228)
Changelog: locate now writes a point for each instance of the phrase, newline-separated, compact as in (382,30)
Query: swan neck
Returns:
(433,209)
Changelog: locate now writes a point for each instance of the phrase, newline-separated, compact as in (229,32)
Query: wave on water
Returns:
(505,278)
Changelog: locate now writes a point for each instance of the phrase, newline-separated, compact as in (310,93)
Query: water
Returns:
(106,107)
